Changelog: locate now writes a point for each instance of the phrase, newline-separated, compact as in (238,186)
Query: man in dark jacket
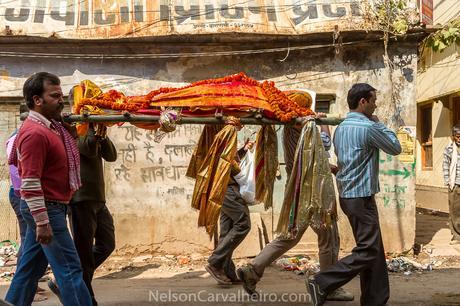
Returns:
(92,223)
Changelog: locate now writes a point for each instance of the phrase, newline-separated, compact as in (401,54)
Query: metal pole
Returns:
(128,117)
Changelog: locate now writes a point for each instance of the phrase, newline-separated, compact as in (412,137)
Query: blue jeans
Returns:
(60,254)
(15,202)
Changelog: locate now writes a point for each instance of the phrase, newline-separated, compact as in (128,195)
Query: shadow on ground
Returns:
(130,271)
(428,223)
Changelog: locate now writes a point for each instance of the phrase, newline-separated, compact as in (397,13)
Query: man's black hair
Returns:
(23,108)
(456,129)
(357,92)
(35,86)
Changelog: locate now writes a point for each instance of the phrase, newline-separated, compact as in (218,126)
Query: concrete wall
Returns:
(151,201)
(438,74)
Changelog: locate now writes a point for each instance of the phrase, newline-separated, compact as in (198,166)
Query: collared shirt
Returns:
(357,141)
(39,117)
(43,166)
(446,165)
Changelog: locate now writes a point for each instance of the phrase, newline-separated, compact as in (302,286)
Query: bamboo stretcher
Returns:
(217,119)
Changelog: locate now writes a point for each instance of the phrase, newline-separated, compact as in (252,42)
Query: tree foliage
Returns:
(445,37)
(394,16)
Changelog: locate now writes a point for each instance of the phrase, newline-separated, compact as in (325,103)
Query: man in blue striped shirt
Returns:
(357,141)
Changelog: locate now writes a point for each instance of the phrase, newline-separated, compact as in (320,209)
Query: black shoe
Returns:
(236,281)
(218,275)
(317,296)
(55,289)
(249,285)
(340,294)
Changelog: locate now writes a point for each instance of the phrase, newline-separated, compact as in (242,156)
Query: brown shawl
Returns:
(202,148)
(266,160)
(310,195)
(213,177)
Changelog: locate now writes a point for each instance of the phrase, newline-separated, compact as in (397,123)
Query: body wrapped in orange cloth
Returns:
(236,95)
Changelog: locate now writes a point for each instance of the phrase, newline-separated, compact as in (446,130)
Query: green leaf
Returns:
(400,26)
(442,46)
(430,40)
(454,31)
(445,34)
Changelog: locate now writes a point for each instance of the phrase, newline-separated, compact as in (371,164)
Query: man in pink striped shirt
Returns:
(46,155)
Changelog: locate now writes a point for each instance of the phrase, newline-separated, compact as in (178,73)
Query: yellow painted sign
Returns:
(406,136)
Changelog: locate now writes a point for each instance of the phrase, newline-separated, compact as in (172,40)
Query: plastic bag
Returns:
(246,178)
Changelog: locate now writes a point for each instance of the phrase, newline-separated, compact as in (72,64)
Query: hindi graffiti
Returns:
(122,173)
(143,161)
(396,182)
(395,202)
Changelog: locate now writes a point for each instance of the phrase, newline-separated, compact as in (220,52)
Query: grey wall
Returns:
(153,212)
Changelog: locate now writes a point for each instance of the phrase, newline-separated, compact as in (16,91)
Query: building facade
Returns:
(438,110)
(136,48)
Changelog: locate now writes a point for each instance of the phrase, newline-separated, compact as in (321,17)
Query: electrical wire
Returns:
(179,54)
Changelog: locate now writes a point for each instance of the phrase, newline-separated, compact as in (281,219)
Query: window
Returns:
(323,103)
(426,137)
(456,108)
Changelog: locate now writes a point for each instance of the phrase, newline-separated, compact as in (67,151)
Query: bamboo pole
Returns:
(128,117)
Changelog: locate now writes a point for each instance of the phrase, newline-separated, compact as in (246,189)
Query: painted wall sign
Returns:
(98,19)
(406,136)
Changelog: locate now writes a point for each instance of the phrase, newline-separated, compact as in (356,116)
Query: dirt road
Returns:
(167,280)
(156,284)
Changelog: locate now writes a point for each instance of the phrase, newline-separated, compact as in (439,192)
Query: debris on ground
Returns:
(7,275)
(142,258)
(183,260)
(407,265)
(117,265)
(8,248)
(197,257)
(8,252)
(298,264)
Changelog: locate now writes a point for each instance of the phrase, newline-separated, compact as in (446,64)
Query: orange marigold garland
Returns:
(284,109)
(112,99)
